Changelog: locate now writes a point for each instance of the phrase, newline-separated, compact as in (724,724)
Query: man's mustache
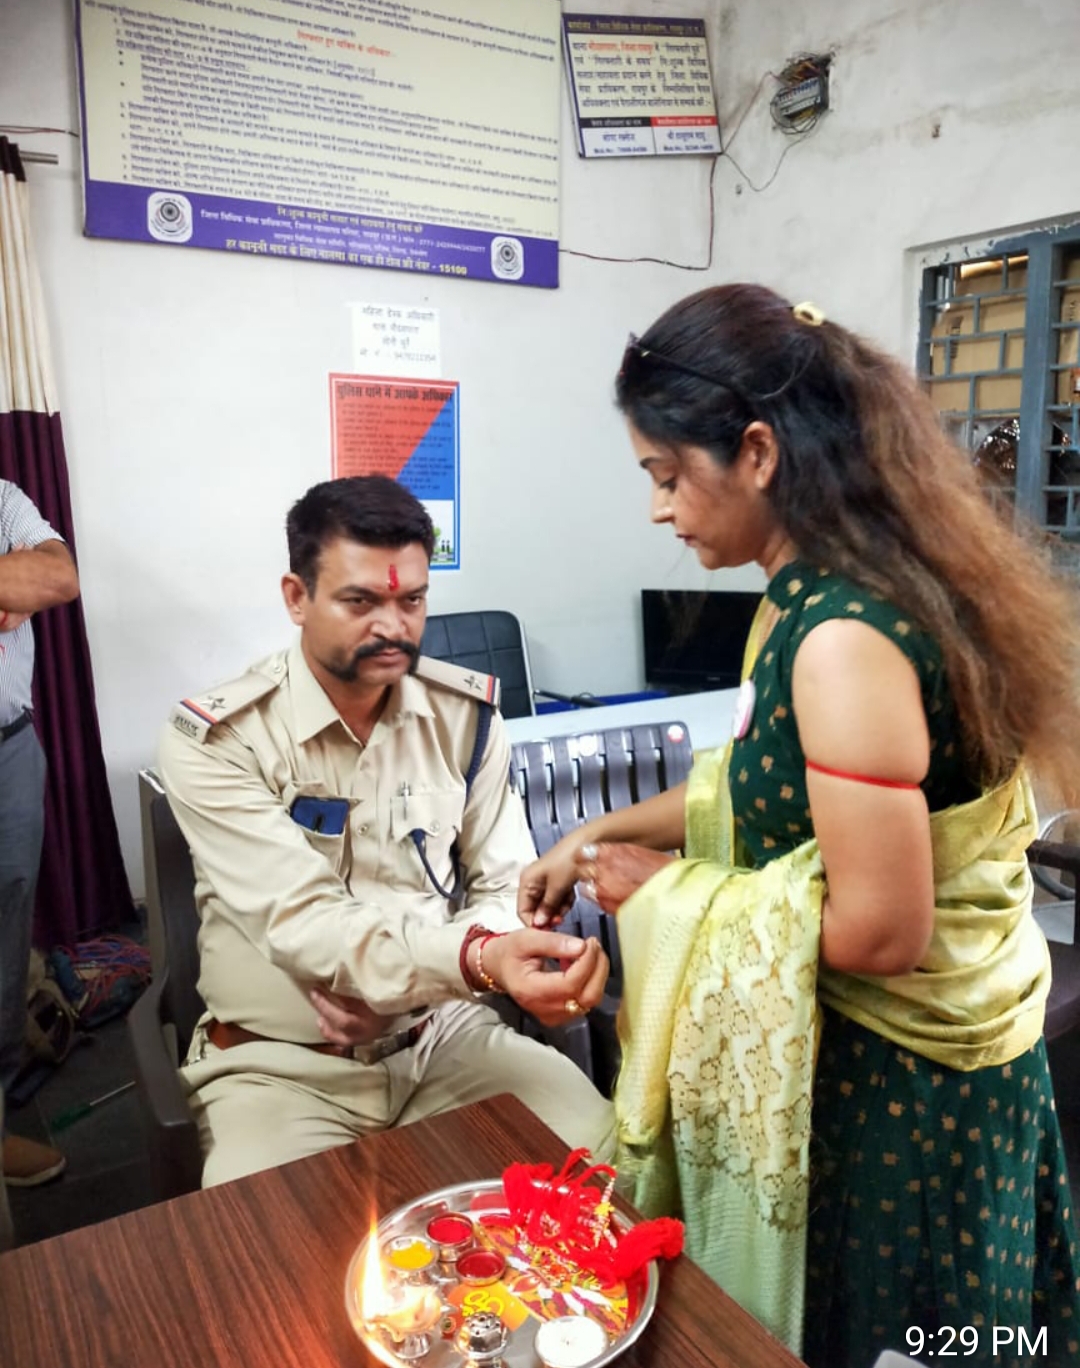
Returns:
(381,644)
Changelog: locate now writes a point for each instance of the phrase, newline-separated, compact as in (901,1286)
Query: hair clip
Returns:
(808,313)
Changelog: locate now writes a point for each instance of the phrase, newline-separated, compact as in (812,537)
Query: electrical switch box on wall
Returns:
(802,94)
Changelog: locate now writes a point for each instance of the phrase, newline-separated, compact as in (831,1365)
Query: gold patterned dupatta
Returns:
(717,1028)
(719,1021)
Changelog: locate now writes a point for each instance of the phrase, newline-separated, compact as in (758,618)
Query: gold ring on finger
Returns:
(572,1007)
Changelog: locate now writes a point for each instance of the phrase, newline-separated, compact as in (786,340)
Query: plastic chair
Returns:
(564,782)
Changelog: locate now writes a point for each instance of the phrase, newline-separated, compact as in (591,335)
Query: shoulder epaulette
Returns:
(195,716)
(484,688)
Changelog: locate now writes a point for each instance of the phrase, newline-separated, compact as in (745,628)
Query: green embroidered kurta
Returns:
(768,769)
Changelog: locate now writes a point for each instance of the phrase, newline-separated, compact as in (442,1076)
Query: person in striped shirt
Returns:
(36,572)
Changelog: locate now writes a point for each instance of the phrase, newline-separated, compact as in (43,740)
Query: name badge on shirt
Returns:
(744,709)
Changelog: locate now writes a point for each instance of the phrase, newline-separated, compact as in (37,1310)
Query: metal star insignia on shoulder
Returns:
(195,717)
(484,688)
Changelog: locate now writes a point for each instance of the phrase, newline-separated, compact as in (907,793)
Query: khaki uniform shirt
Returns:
(284,908)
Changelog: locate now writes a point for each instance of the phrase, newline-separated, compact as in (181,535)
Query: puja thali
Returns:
(455,1266)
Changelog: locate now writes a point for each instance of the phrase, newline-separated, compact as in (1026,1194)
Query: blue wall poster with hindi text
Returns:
(412,136)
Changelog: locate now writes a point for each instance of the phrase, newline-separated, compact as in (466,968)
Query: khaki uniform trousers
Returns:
(265,1103)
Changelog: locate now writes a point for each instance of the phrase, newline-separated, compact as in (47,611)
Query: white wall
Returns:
(194,384)
(995,78)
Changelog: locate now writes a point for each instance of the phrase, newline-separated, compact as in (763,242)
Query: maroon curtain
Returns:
(82,887)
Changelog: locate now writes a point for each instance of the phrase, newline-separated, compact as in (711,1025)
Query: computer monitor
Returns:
(694,639)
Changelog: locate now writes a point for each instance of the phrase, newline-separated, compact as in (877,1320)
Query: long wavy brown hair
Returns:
(869,487)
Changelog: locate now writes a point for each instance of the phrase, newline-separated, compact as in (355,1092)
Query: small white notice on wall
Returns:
(396,339)
(641,87)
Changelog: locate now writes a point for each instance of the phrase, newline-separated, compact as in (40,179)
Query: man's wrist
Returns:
(471,963)
(481,973)
(472,981)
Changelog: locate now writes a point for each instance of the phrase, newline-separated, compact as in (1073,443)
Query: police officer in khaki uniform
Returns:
(330,809)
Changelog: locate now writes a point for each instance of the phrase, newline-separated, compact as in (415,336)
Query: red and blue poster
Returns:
(407,429)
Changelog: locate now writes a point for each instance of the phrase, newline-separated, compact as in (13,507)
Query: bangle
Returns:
(481,973)
(473,933)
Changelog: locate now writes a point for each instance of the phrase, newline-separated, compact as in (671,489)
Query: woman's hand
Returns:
(519,962)
(610,871)
(546,890)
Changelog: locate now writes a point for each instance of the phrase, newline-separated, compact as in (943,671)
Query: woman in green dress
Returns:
(834,1068)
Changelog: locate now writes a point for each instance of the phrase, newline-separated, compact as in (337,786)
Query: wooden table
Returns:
(251,1274)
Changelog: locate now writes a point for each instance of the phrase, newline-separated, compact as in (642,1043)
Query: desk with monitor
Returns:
(694,642)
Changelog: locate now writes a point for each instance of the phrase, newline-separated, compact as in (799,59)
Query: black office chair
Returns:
(493,642)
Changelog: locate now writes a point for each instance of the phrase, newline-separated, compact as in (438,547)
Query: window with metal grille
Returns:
(999,352)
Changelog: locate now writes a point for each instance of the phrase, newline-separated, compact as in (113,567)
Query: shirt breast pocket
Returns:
(323,818)
(424,827)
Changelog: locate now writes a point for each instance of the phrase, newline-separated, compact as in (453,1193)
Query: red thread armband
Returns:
(861,778)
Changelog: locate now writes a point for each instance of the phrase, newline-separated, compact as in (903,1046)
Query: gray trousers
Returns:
(22,822)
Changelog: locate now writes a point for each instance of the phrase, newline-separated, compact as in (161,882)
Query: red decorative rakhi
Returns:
(566,1223)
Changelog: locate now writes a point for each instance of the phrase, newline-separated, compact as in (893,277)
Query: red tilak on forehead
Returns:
(392,580)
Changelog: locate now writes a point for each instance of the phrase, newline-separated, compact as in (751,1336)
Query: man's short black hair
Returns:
(371,509)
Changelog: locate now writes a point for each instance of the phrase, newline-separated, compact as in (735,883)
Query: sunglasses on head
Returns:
(634,345)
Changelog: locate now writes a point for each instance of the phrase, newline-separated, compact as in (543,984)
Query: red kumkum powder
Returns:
(448,1230)
(481,1265)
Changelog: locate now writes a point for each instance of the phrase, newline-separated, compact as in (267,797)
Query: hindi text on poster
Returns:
(641,87)
(406,135)
(409,430)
